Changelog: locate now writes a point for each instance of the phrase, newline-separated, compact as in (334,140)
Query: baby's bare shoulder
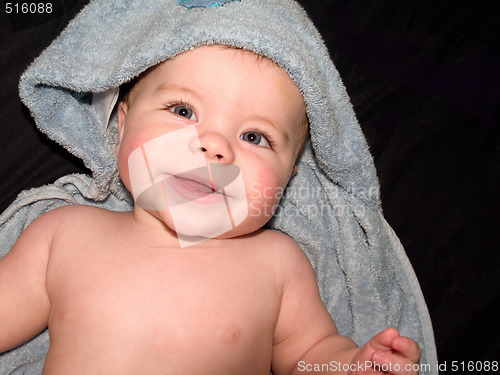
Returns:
(281,247)
(77,213)
(72,217)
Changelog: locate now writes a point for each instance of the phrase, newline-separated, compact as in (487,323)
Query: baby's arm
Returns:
(24,303)
(306,335)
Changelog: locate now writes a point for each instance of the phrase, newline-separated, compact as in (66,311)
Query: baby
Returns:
(128,293)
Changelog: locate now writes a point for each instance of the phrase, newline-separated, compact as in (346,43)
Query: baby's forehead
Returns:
(195,54)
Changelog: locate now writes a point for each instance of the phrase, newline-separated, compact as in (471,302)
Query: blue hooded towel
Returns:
(331,207)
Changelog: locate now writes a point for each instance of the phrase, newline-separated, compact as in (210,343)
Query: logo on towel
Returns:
(203,3)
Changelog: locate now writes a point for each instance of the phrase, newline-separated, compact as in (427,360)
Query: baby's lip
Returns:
(211,178)
(204,184)
(195,183)
(182,189)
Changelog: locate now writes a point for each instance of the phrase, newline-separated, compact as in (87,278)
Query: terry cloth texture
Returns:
(331,206)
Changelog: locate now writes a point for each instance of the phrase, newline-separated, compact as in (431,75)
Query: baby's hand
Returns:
(388,353)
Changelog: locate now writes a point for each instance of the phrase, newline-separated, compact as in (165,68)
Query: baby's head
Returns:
(218,131)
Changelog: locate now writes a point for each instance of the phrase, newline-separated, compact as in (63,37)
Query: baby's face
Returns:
(217,131)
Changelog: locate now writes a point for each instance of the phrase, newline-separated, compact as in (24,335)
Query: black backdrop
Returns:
(424,79)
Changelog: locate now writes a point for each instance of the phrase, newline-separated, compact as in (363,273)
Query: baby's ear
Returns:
(122,118)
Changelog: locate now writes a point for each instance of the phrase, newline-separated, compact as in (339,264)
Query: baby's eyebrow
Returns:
(177,88)
(278,127)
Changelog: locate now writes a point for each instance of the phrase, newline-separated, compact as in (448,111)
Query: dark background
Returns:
(424,79)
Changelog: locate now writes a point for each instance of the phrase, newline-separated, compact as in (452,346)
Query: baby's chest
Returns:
(169,306)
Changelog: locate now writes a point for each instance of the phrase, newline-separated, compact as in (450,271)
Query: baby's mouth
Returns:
(205,184)
(199,188)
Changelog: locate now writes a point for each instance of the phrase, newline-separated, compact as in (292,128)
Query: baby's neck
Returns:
(154,228)
(161,235)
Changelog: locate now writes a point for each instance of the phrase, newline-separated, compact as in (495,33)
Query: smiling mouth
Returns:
(190,188)
(204,184)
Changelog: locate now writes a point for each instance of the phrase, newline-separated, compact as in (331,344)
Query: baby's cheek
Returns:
(131,145)
(263,198)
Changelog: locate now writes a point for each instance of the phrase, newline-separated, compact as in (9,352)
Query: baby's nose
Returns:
(216,148)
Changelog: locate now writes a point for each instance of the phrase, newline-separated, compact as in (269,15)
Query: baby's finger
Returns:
(407,348)
(383,340)
(392,363)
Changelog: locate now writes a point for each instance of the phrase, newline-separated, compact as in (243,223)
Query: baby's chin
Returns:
(240,230)
(208,230)
(245,228)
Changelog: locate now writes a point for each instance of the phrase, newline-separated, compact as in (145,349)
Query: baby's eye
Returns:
(255,138)
(183,111)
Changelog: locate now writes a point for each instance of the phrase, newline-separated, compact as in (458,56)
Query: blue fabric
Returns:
(202,3)
(332,205)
